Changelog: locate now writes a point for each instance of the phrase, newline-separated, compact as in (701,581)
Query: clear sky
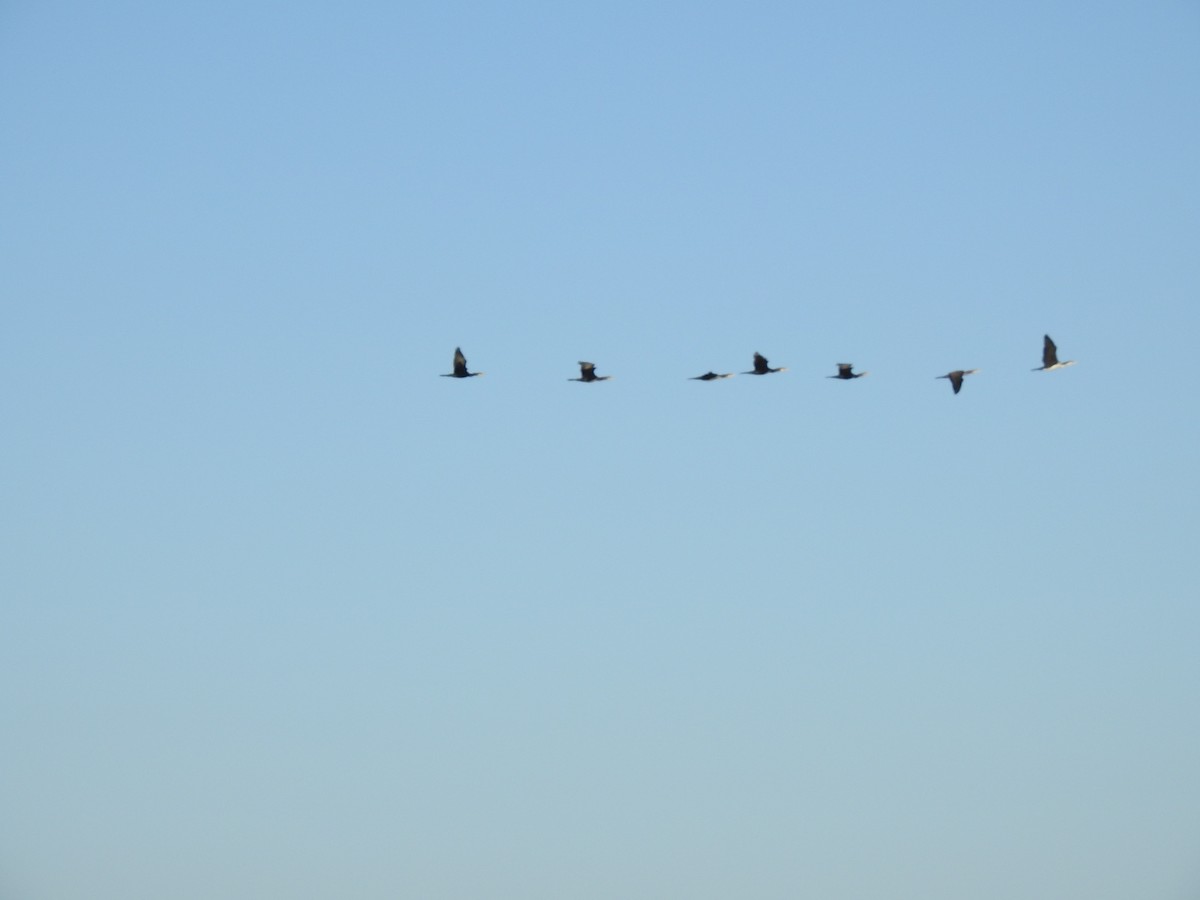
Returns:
(285,614)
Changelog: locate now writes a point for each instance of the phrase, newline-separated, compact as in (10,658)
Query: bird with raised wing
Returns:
(1050,357)
(460,367)
(846,372)
(762,368)
(587,373)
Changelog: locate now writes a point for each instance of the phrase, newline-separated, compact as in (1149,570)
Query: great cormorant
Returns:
(761,367)
(845,373)
(1050,357)
(587,372)
(460,367)
(956,377)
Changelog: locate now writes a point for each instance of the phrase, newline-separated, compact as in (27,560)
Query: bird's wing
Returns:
(460,362)
(1049,353)
(587,369)
(760,363)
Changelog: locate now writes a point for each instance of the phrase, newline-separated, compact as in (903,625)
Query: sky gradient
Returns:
(284,613)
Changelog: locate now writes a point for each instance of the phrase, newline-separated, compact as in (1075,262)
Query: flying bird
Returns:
(845,373)
(956,377)
(710,376)
(460,367)
(587,372)
(1050,357)
(761,367)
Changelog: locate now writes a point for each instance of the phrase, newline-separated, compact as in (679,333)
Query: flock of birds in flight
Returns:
(587,370)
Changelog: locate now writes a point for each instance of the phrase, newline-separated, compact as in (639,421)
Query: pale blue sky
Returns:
(287,614)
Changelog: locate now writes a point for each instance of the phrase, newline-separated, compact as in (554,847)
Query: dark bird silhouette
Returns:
(460,367)
(845,373)
(1050,357)
(587,372)
(956,377)
(710,376)
(761,367)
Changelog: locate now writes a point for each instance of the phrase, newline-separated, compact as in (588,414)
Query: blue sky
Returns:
(287,614)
